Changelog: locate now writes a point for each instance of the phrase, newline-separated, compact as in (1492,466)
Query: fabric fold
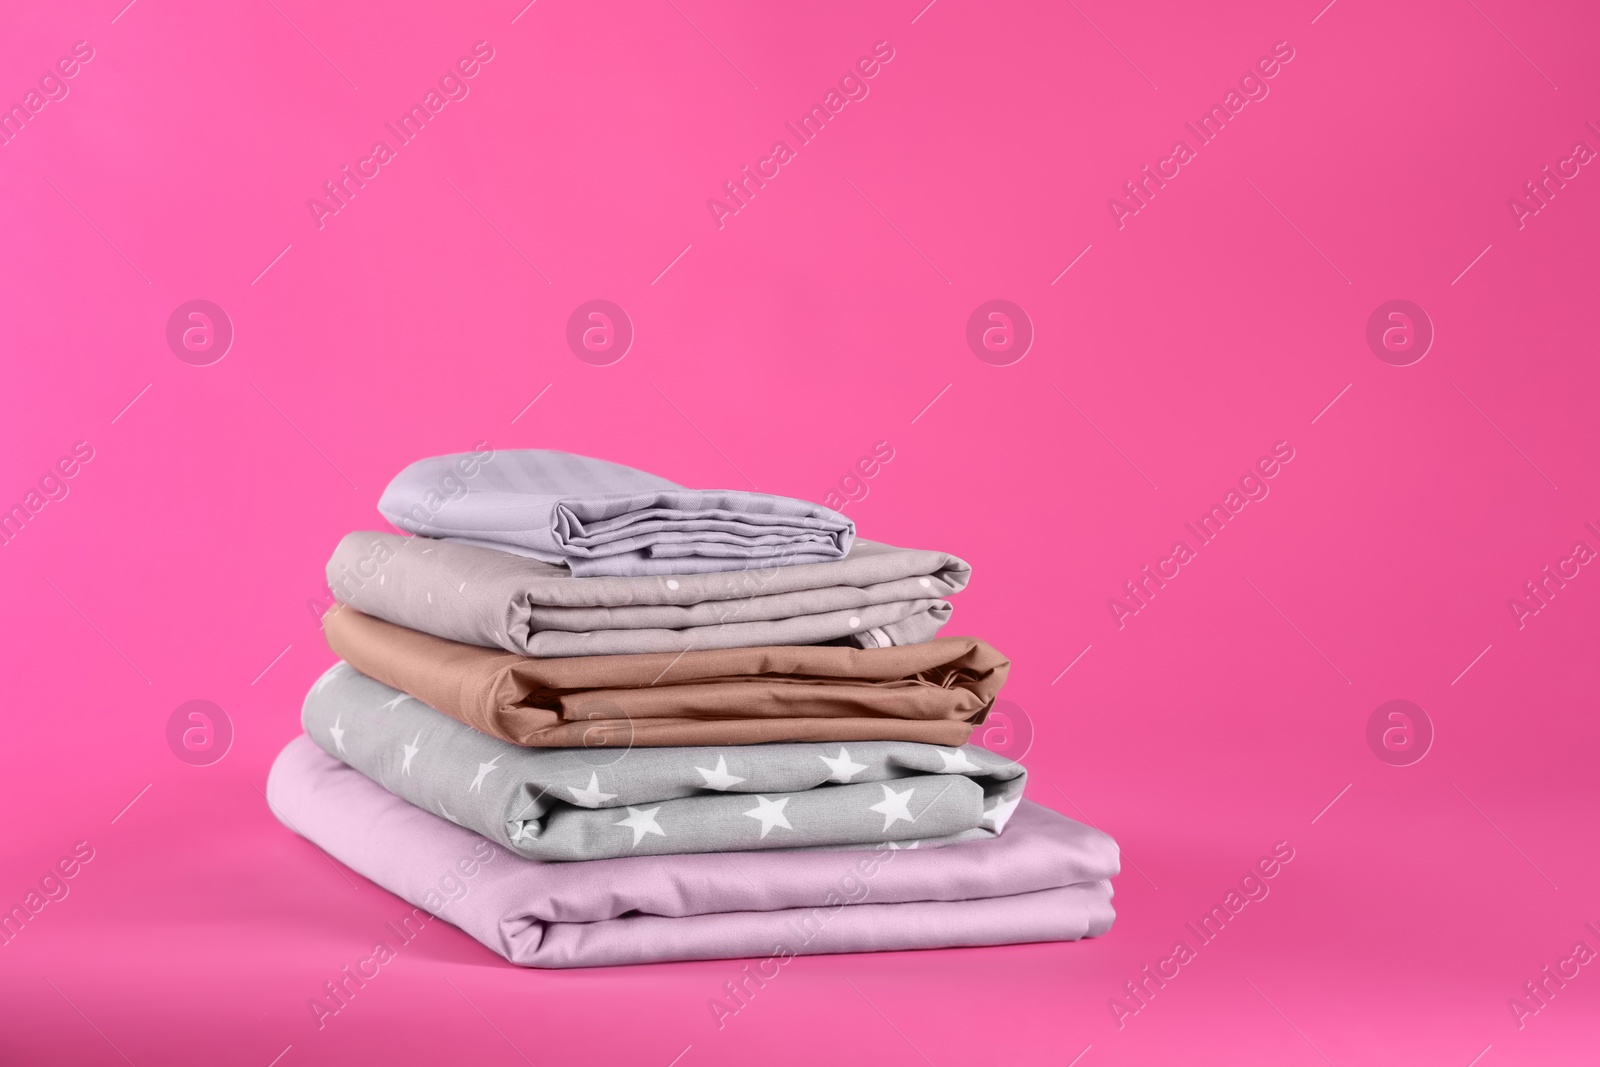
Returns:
(1045,879)
(595,803)
(931,692)
(601,518)
(875,596)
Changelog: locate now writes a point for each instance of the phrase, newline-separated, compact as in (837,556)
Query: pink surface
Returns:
(830,313)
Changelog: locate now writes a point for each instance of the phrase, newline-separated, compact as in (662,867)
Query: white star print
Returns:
(329,675)
(1000,814)
(522,831)
(842,768)
(956,761)
(411,750)
(641,823)
(770,813)
(399,699)
(894,807)
(590,797)
(483,772)
(720,778)
(337,732)
(895,846)
(446,814)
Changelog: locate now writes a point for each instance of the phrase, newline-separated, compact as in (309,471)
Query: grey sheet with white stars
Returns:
(599,803)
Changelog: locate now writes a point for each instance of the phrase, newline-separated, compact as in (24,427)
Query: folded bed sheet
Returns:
(596,803)
(875,596)
(597,517)
(1045,879)
(931,692)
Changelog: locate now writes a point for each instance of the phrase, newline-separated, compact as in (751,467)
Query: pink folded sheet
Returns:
(1045,879)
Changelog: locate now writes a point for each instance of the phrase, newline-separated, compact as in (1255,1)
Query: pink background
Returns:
(824,317)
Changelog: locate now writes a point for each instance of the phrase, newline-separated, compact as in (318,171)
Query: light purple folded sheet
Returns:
(1045,879)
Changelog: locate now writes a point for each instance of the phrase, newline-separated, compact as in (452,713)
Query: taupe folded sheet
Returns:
(876,596)
(933,692)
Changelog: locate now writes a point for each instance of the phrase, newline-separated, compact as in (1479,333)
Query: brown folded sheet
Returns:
(931,692)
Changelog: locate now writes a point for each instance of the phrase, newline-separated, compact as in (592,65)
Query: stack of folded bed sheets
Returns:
(656,723)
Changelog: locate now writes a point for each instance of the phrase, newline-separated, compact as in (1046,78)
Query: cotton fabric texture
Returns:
(875,596)
(583,804)
(931,692)
(1045,879)
(603,518)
